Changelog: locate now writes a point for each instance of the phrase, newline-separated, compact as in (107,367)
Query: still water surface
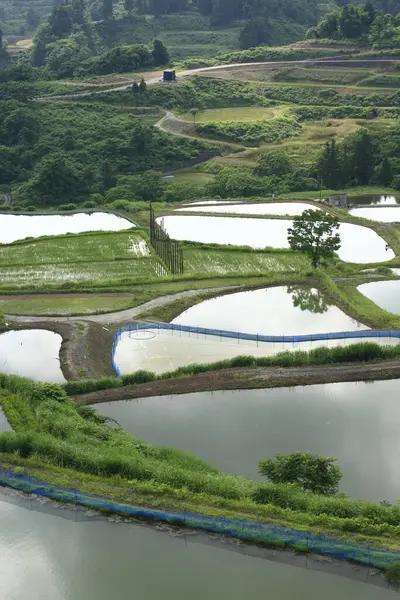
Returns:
(377,199)
(32,353)
(283,310)
(386,294)
(383,215)
(262,208)
(18,227)
(45,557)
(358,244)
(358,423)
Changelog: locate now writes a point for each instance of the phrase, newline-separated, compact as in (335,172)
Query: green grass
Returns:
(61,441)
(68,305)
(222,262)
(92,247)
(107,274)
(249,113)
(91,259)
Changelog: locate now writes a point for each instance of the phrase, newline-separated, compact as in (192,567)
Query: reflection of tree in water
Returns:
(308,299)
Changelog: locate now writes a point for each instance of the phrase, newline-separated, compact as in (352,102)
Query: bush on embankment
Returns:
(361,352)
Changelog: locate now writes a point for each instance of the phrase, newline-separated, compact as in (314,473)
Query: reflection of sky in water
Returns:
(384,215)
(261,208)
(48,558)
(386,294)
(18,227)
(358,244)
(357,423)
(270,311)
(376,200)
(32,353)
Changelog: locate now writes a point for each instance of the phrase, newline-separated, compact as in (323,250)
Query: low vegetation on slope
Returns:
(64,442)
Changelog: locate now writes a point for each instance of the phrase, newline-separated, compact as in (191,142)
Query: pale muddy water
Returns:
(46,557)
(386,294)
(164,350)
(32,353)
(358,244)
(357,423)
(262,208)
(384,215)
(19,227)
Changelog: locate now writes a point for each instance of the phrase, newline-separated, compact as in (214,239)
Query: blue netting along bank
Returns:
(254,337)
(247,530)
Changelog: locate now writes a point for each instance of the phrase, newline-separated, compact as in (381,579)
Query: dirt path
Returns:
(249,378)
(153,80)
(119,316)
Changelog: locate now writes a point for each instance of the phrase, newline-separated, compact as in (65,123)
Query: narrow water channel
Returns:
(45,557)
(357,423)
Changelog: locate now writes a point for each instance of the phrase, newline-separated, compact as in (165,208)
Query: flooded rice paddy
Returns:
(302,311)
(357,423)
(375,199)
(49,557)
(386,294)
(19,227)
(32,353)
(281,310)
(358,244)
(262,208)
(385,214)
(164,350)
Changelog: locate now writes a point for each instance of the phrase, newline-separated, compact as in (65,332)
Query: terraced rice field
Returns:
(221,262)
(91,259)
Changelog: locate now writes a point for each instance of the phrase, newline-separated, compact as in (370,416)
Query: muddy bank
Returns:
(249,378)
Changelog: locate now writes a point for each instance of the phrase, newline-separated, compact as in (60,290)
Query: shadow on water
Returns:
(79,514)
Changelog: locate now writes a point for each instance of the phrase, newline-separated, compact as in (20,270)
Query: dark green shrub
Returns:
(138,377)
(283,495)
(68,207)
(243,361)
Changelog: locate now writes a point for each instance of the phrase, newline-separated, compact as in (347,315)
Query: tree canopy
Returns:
(315,233)
(312,472)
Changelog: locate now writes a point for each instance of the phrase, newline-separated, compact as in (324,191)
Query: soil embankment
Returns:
(249,378)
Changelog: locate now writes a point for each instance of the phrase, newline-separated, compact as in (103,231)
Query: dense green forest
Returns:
(360,22)
(102,150)
(85,28)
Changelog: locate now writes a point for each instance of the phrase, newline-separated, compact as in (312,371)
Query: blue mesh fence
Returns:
(247,530)
(254,337)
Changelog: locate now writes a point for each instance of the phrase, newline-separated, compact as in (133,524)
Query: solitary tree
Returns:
(315,233)
(160,54)
(193,111)
(313,473)
(142,86)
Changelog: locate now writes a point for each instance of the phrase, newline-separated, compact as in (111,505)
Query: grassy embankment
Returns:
(67,444)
